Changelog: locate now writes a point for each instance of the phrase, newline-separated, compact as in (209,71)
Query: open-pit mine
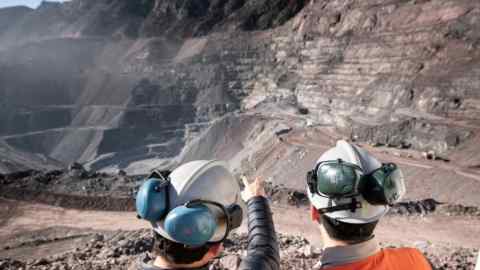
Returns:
(94,94)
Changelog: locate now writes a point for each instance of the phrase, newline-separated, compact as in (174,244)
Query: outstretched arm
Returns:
(263,250)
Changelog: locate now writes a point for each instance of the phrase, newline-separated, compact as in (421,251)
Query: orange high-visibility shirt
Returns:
(389,259)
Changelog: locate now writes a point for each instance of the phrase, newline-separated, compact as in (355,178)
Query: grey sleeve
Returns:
(263,251)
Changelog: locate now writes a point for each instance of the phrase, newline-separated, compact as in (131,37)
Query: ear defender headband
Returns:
(193,224)
(339,179)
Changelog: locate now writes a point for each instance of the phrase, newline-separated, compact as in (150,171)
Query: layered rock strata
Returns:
(117,85)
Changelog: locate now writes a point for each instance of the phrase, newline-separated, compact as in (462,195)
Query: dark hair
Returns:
(177,253)
(348,232)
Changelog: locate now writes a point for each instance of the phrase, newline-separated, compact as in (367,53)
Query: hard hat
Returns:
(200,202)
(352,186)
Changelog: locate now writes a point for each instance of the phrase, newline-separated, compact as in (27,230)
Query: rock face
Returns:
(130,85)
(397,73)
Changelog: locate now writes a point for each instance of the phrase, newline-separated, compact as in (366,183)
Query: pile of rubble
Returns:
(74,188)
(123,250)
(75,180)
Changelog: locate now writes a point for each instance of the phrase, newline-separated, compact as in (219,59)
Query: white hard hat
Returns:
(353,154)
(201,180)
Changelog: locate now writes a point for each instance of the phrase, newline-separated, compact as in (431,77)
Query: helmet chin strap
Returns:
(352,206)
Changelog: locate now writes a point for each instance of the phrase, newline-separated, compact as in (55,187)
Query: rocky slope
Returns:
(124,250)
(111,82)
(117,85)
(64,220)
(267,85)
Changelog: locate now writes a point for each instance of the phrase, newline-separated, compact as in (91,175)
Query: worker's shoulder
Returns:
(403,251)
(388,259)
(408,255)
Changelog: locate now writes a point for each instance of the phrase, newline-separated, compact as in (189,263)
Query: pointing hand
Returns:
(256,188)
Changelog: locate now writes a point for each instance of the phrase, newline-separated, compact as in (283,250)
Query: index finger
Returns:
(260,181)
(245,181)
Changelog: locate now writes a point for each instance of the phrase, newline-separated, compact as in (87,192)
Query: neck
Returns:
(329,242)
(161,262)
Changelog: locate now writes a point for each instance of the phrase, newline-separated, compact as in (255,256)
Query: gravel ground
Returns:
(90,249)
(123,249)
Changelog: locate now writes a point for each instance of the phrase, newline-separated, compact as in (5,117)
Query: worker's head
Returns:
(192,210)
(350,191)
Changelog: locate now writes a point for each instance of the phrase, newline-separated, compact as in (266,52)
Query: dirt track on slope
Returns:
(68,200)
(24,218)
(437,229)
(453,180)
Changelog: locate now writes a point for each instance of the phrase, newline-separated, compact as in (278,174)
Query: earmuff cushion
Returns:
(151,200)
(235,215)
(192,226)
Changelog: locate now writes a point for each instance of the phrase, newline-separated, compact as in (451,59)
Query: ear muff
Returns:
(373,191)
(152,199)
(198,222)
(384,186)
(235,216)
(191,225)
(335,178)
(339,179)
